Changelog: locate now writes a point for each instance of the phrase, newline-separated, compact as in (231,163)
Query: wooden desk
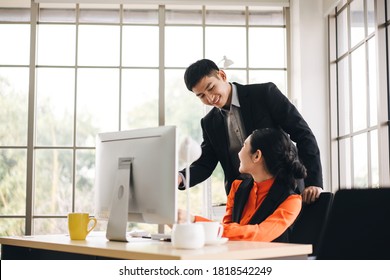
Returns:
(96,246)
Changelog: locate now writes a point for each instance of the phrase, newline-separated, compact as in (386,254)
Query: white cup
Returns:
(212,231)
(187,236)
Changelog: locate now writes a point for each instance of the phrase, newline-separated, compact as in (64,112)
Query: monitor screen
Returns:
(136,178)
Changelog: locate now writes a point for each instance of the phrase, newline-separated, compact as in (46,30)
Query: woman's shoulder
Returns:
(235,185)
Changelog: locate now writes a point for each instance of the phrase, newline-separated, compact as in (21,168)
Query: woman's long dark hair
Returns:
(280,155)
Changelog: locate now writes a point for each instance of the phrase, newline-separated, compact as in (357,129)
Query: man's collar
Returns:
(235,101)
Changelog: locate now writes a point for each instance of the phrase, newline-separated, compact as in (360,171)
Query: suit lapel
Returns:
(246,108)
(219,129)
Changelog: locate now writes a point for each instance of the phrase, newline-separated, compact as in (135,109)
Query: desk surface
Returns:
(143,249)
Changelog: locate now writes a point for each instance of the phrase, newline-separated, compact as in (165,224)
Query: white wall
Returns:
(309,75)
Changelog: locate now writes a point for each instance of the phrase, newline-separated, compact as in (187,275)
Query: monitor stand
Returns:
(117,221)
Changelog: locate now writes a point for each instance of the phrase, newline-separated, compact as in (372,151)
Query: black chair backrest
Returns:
(358,226)
(308,227)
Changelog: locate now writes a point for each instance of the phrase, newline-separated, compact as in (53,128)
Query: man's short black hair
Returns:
(197,71)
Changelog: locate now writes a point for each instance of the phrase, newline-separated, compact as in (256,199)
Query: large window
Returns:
(70,71)
(359,93)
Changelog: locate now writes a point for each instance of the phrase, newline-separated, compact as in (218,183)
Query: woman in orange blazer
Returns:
(262,208)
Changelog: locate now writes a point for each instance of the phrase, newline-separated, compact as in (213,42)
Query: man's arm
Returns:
(285,115)
(202,168)
(291,121)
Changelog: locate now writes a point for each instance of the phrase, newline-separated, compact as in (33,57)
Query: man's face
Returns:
(214,90)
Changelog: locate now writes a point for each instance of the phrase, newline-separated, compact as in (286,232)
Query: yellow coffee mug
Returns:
(78,224)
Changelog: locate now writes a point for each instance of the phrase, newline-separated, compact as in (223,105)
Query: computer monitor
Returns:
(136,178)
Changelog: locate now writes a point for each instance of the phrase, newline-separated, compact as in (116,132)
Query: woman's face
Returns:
(246,158)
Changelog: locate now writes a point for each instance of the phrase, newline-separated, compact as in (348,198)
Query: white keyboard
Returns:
(160,236)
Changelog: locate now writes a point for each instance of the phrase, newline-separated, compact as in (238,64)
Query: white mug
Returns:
(212,231)
(187,236)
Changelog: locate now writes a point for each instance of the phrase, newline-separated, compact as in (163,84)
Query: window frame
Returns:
(31,148)
(381,128)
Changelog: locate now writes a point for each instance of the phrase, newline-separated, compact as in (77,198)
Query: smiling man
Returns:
(238,111)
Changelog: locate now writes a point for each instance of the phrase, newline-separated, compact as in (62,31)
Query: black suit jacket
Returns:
(262,106)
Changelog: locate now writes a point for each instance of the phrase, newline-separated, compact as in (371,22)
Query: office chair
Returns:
(358,226)
(309,225)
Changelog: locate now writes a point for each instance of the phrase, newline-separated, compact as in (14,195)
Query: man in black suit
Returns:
(238,110)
